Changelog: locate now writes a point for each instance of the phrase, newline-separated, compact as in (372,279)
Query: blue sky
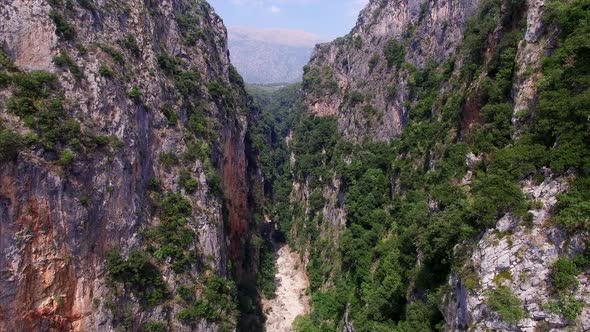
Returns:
(327,18)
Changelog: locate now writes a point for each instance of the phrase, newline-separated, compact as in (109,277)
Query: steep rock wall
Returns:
(351,81)
(353,78)
(518,255)
(58,222)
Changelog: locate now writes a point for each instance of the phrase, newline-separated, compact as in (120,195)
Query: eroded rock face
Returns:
(57,223)
(350,79)
(519,256)
(357,83)
(28,33)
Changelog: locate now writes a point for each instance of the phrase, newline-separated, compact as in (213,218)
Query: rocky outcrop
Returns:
(363,77)
(536,43)
(139,76)
(518,255)
(367,80)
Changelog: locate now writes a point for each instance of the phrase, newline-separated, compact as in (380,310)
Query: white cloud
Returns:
(274,9)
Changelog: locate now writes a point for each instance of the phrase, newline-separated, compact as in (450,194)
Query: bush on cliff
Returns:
(10,143)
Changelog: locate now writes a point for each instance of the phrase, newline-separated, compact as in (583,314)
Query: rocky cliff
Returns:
(430,181)
(519,254)
(123,125)
(363,77)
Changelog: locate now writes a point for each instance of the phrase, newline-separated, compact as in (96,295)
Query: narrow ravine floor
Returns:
(291,300)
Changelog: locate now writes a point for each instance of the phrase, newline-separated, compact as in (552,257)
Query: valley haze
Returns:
(269,56)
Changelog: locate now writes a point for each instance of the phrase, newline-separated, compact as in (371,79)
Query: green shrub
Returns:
(154,327)
(153,184)
(506,304)
(10,144)
(417,318)
(105,71)
(573,208)
(21,106)
(266,275)
(170,65)
(188,82)
(218,303)
(5,79)
(319,79)
(217,90)
(44,114)
(82,50)
(354,98)
(62,28)
(187,182)
(115,54)
(197,124)
(478,29)
(394,53)
(198,310)
(67,158)
(305,324)
(6,62)
(373,62)
(87,4)
(567,306)
(138,274)
(564,98)
(34,84)
(214,181)
(168,159)
(316,201)
(63,60)
(571,308)
(196,149)
(135,94)
(170,115)
(85,200)
(563,275)
(494,196)
(186,294)
(497,128)
(357,42)
(188,25)
(131,44)
(171,239)
(235,77)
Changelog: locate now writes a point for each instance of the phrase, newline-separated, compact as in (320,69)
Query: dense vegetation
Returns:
(278,110)
(411,219)
(37,99)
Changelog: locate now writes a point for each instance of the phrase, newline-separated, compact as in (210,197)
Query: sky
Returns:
(327,18)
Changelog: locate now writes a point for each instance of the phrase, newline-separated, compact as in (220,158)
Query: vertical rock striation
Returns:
(421,79)
(363,77)
(158,104)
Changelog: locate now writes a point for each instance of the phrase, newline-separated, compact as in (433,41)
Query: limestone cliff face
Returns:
(153,79)
(350,78)
(363,76)
(364,80)
(518,255)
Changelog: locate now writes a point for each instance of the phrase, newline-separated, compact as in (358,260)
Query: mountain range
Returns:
(267,56)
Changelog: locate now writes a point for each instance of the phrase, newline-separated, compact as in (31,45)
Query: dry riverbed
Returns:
(291,300)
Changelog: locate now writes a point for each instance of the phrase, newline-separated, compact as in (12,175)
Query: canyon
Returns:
(430,172)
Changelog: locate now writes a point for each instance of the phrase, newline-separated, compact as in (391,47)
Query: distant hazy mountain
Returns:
(270,55)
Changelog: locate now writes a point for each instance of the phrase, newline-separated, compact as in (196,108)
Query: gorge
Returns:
(429,173)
